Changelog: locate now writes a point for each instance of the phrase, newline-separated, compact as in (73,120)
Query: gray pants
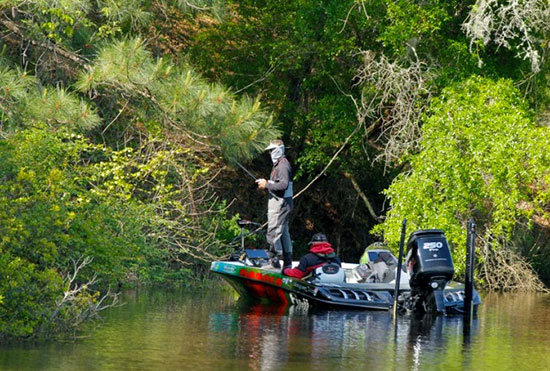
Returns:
(278,215)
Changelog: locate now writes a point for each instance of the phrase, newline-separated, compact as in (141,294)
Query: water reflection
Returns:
(427,336)
(272,337)
(163,330)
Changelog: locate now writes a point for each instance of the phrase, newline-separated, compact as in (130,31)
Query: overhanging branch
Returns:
(16,30)
(363,196)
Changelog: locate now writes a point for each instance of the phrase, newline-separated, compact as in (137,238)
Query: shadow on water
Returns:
(210,330)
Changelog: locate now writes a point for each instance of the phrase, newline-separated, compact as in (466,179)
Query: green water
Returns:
(182,330)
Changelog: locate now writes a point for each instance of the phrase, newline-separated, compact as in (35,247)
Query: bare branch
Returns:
(14,28)
(523,23)
(502,269)
(361,194)
(76,294)
(395,97)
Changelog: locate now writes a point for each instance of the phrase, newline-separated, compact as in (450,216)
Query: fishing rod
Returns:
(251,175)
(255,180)
(246,170)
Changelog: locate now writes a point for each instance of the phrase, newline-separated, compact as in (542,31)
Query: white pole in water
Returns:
(399,264)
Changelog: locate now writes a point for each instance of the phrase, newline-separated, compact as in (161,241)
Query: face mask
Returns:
(277,153)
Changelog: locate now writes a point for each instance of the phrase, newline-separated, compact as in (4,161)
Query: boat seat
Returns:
(382,272)
(328,273)
(377,272)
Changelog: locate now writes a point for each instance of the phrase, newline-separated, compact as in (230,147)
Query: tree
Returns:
(206,116)
(482,156)
(109,160)
(522,26)
(60,244)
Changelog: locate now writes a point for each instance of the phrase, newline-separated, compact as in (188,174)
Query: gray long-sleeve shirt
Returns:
(280,181)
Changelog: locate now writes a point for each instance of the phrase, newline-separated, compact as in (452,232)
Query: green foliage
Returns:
(24,288)
(167,182)
(482,156)
(129,15)
(300,56)
(141,214)
(54,20)
(59,108)
(80,24)
(413,22)
(48,220)
(147,204)
(229,228)
(181,99)
(331,124)
(26,104)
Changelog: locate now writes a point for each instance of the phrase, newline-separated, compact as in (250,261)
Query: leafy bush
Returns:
(49,221)
(482,156)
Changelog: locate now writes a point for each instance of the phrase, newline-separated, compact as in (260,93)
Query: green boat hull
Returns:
(270,286)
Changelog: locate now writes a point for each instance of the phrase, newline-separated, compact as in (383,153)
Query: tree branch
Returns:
(14,28)
(363,196)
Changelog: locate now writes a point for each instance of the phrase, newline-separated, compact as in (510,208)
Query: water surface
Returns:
(183,330)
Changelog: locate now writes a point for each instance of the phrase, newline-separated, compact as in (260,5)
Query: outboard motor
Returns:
(430,267)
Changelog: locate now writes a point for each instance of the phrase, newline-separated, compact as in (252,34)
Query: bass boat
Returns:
(425,283)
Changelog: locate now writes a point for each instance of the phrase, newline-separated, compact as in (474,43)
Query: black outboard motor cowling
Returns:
(430,267)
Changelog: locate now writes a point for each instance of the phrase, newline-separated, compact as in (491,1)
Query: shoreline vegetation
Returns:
(121,121)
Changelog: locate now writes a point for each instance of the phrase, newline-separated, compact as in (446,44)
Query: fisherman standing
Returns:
(279,205)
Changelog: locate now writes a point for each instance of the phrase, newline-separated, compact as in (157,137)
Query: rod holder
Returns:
(399,265)
(470,267)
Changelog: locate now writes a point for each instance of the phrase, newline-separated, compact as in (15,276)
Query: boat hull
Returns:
(273,287)
(270,286)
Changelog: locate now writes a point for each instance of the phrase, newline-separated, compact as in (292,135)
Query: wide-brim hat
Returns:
(271,146)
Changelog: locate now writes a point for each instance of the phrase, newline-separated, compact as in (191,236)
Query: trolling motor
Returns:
(430,268)
(253,257)
(243,223)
